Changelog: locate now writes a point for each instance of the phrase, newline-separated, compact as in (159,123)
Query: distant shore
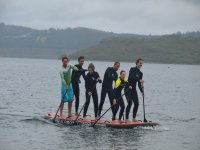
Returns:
(99,60)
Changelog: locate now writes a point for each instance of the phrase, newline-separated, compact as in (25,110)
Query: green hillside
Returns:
(19,41)
(175,48)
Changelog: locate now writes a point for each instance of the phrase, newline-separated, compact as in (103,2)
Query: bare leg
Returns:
(61,109)
(69,109)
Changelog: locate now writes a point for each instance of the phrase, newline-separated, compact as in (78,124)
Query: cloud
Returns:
(130,16)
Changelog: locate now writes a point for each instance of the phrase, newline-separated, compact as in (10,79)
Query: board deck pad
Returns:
(114,124)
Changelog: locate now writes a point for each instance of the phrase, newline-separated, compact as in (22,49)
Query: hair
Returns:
(65,57)
(122,71)
(117,63)
(91,65)
(138,60)
(81,57)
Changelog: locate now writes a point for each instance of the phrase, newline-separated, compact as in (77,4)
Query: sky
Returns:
(119,16)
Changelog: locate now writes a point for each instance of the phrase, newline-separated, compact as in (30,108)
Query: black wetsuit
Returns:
(107,87)
(90,85)
(119,86)
(135,75)
(75,84)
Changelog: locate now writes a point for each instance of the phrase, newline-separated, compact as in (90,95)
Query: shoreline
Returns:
(191,64)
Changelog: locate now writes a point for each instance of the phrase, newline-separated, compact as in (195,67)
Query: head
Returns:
(65,61)
(139,62)
(116,65)
(122,74)
(81,60)
(91,68)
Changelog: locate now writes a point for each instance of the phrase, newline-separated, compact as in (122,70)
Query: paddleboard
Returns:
(113,124)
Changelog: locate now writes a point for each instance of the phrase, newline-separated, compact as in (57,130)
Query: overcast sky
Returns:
(120,16)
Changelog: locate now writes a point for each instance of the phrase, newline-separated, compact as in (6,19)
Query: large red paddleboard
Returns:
(70,121)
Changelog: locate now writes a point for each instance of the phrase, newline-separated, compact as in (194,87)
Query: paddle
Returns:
(75,122)
(145,120)
(60,105)
(63,98)
(107,111)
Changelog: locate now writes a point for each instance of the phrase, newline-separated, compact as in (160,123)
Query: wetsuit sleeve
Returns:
(117,83)
(73,67)
(114,93)
(83,74)
(115,76)
(62,77)
(100,81)
(127,84)
(130,77)
(87,83)
(73,74)
(139,84)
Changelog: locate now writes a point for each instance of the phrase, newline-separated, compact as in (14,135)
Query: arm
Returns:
(117,85)
(130,76)
(73,74)
(115,76)
(140,85)
(98,78)
(127,84)
(62,77)
(74,67)
(83,74)
(87,83)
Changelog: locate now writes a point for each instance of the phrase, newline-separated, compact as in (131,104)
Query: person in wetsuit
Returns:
(107,86)
(90,84)
(135,76)
(76,80)
(120,84)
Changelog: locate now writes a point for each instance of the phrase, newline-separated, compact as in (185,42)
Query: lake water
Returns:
(29,88)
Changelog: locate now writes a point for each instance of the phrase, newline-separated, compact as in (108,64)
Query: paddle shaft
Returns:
(85,102)
(82,109)
(106,111)
(145,120)
(64,97)
(61,103)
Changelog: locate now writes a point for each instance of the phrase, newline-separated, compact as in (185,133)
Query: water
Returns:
(29,88)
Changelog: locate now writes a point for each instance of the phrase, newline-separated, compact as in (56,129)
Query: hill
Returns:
(18,41)
(175,48)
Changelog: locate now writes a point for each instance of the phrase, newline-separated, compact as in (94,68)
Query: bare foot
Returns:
(61,116)
(70,115)
(121,121)
(134,120)
(115,121)
(127,120)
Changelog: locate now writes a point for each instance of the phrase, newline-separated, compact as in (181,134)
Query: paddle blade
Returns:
(75,123)
(145,120)
(54,120)
(92,125)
